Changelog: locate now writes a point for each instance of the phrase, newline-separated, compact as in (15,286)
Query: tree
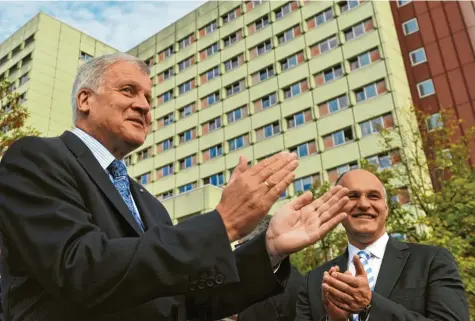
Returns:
(12,117)
(444,209)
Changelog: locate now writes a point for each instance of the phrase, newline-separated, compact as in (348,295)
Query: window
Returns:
(410,26)
(418,56)
(385,160)
(209,51)
(144,154)
(370,91)
(288,35)
(85,56)
(236,143)
(359,29)
(167,170)
(426,88)
(266,102)
(299,118)
(212,99)
(128,161)
(232,38)
(165,97)
(291,61)
(187,135)
(182,65)
(364,59)
(320,18)
(165,145)
(252,4)
(187,162)
(29,40)
(375,125)
(259,24)
(214,124)
(209,28)
(268,131)
(401,3)
(216,180)
(186,110)
(235,88)
(186,188)
(305,149)
(305,183)
(167,74)
(185,42)
(334,105)
(263,47)
(186,87)
(328,75)
(336,172)
(434,122)
(262,75)
(24,79)
(165,195)
(295,89)
(145,178)
(284,10)
(216,151)
(338,138)
(166,120)
(348,5)
(231,15)
(233,63)
(324,46)
(237,114)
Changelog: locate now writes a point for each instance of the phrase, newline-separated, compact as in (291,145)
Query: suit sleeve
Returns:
(445,300)
(47,225)
(303,309)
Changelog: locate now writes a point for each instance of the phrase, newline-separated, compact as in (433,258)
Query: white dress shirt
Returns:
(376,251)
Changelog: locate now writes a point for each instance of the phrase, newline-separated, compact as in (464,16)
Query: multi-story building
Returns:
(257,77)
(437,39)
(41,61)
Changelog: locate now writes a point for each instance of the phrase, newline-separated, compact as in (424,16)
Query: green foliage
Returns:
(12,117)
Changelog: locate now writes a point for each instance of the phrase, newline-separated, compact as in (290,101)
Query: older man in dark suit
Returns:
(380,278)
(82,241)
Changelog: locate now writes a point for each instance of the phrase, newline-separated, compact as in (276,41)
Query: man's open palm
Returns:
(303,222)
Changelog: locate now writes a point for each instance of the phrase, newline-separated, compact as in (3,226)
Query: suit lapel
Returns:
(342,261)
(395,258)
(99,176)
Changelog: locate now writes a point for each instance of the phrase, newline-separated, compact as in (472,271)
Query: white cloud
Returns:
(122,25)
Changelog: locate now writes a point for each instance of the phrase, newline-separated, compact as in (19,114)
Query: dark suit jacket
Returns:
(277,308)
(72,250)
(415,282)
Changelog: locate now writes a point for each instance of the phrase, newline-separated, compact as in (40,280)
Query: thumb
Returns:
(304,199)
(359,269)
(240,167)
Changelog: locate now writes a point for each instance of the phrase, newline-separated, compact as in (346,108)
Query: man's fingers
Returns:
(280,173)
(325,197)
(274,193)
(346,278)
(339,295)
(268,166)
(301,201)
(330,224)
(359,269)
(329,213)
(240,168)
(336,283)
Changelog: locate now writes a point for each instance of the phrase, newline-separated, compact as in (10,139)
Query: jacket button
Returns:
(210,282)
(219,279)
(201,285)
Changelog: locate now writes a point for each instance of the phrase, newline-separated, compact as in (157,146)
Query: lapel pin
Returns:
(141,190)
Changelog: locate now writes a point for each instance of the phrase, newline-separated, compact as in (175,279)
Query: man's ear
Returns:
(83,100)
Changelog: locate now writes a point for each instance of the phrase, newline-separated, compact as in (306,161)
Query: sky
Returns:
(119,24)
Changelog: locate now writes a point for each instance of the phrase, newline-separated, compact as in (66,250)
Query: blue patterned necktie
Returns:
(364,258)
(121,183)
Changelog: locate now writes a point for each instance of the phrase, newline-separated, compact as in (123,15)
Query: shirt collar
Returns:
(376,248)
(102,154)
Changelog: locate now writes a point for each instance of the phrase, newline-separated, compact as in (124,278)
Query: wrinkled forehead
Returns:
(123,73)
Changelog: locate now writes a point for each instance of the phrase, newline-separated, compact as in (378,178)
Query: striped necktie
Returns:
(364,258)
(122,184)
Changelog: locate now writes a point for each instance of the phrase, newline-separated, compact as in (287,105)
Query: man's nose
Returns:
(363,202)
(142,104)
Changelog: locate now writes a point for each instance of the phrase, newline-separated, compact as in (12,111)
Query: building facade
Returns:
(41,61)
(257,77)
(437,39)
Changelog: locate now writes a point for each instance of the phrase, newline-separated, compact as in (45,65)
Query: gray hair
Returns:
(90,74)
(261,227)
(338,180)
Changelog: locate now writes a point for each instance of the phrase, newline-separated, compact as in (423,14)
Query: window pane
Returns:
(299,119)
(371,91)
(333,105)
(364,59)
(302,150)
(338,138)
(365,128)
